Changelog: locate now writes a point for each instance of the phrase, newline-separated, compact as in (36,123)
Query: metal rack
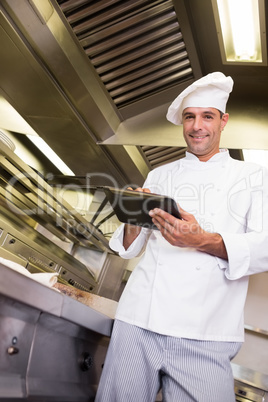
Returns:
(27,201)
(27,191)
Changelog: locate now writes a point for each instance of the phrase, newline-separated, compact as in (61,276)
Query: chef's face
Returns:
(202,129)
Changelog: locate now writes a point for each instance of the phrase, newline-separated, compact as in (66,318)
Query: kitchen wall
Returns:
(254,352)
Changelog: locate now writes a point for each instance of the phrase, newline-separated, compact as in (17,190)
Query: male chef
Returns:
(180,321)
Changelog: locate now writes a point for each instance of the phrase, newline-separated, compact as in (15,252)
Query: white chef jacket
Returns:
(186,293)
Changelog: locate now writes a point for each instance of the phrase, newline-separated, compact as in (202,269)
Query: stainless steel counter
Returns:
(250,377)
(52,347)
(27,291)
(250,385)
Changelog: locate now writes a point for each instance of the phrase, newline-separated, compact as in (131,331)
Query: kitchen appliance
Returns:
(250,386)
(41,231)
(52,347)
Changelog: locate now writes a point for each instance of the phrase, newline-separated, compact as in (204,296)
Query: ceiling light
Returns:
(241,31)
(50,154)
(11,120)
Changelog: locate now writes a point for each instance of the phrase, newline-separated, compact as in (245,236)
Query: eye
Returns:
(187,117)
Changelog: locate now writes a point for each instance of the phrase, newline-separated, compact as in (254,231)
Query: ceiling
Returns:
(94,79)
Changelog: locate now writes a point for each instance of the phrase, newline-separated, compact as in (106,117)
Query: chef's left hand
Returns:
(185,232)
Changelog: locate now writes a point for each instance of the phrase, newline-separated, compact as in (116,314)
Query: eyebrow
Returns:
(204,112)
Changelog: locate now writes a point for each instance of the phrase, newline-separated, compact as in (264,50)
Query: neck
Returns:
(206,157)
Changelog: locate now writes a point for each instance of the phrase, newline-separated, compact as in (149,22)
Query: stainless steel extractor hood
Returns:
(94,80)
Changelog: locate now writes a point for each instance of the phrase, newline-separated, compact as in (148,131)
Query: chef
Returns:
(180,321)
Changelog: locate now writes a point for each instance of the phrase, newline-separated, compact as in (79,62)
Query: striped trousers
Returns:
(139,363)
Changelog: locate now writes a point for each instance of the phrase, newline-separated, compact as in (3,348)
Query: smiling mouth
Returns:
(198,137)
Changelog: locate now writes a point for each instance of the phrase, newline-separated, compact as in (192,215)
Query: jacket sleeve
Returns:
(139,244)
(248,251)
(135,249)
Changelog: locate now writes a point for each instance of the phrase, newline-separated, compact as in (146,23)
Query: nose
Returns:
(197,123)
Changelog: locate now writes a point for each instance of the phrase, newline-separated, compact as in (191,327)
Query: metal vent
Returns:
(157,156)
(136,47)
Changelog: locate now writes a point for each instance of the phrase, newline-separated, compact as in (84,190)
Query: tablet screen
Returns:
(133,207)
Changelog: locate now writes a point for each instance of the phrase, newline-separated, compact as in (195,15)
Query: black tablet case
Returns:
(133,207)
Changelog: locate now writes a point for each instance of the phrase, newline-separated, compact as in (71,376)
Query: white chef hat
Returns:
(209,91)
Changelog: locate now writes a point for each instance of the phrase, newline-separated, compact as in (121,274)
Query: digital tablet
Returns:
(133,206)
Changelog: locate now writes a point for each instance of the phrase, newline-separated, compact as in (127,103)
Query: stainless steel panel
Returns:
(250,377)
(153,86)
(90,17)
(158,156)
(26,201)
(45,201)
(113,67)
(46,358)
(25,290)
(52,347)
(24,245)
(145,76)
(147,33)
(66,361)
(31,255)
(250,385)
(68,125)
(143,72)
(246,393)
(17,327)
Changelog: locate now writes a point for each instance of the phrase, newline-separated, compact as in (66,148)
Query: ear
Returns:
(224,120)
